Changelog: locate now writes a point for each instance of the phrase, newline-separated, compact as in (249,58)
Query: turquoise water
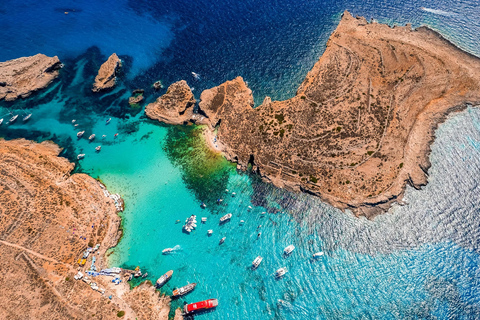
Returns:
(420,260)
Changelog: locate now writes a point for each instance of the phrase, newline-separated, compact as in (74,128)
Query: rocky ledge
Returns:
(48,217)
(107,74)
(361,124)
(20,77)
(174,107)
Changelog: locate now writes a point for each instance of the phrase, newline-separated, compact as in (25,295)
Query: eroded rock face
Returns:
(20,77)
(44,214)
(175,106)
(362,122)
(106,77)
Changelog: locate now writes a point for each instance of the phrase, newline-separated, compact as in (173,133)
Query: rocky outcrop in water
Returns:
(107,75)
(360,126)
(20,77)
(45,214)
(175,106)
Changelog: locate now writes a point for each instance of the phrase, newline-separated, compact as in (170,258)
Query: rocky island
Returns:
(361,124)
(48,217)
(20,77)
(107,74)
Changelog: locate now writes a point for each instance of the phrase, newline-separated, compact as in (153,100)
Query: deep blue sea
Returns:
(418,261)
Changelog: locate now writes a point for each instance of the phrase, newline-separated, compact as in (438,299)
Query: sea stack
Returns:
(107,75)
(175,106)
(20,77)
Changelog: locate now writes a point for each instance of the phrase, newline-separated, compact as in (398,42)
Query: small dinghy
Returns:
(318,254)
(80,134)
(226,218)
(145,275)
(92,136)
(256,262)
(241,222)
(115,135)
(184,290)
(167,250)
(210,232)
(222,240)
(204,219)
(288,249)
(80,156)
(280,272)
(75,125)
(249,208)
(98,148)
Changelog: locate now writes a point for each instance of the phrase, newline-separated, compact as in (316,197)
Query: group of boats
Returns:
(190,223)
(15,117)
(90,138)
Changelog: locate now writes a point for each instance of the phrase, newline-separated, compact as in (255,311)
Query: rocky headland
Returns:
(107,74)
(48,217)
(20,77)
(360,126)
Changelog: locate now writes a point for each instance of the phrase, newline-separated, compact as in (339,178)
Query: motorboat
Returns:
(80,156)
(259,234)
(163,279)
(92,136)
(115,135)
(167,251)
(203,205)
(80,134)
(288,249)
(210,232)
(75,125)
(130,277)
(200,306)
(98,148)
(108,120)
(256,262)
(242,222)
(138,273)
(104,136)
(318,254)
(28,116)
(280,272)
(222,240)
(196,76)
(226,218)
(12,119)
(233,194)
(184,290)
(1,121)
(145,275)
(73,121)
(204,219)
(249,208)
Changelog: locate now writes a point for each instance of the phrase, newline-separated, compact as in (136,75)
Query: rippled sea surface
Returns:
(420,260)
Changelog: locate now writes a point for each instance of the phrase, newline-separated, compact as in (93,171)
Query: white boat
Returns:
(256,262)
(167,251)
(75,125)
(80,134)
(92,136)
(73,121)
(27,117)
(210,232)
(288,249)
(104,136)
(233,194)
(12,119)
(280,272)
(98,148)
(196,76)
(242,222)
(249,208)
(318,254)
(1,121)
(222,240)
(108,120)
(203,205)
(204,219)
(225,217)
(81,156)
(163,279)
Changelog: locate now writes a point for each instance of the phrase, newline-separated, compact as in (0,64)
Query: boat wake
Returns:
(439,12)
(177,248)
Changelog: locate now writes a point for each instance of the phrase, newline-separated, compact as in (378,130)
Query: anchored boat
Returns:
(226,218)
(288,249)
(163,279)
(256,262)
(318,254)
(27,117)
(222,240)
(80,156)
(80,134)
(12,119)
(92,136)
(184,290)
(167,250)
(199,306)
(280,272)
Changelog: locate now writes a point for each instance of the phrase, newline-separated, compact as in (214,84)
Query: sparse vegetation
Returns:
(120,314)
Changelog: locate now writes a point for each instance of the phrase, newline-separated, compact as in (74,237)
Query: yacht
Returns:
(288,249)
(225,217)
(318,254)
(12,119)
(98,148)
(184,290)
(163,279)
(92,136)
(256,262)
(222,240)
(80,134)
(27,117)
(81,156)
(167,251)
(281,272)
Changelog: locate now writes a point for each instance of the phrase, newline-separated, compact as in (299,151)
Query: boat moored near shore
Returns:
(200,306)
(184,290)
(163,279)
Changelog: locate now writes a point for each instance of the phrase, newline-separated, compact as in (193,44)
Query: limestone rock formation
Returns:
(360,125)
(44,215)
(107,75)
(20,77)
(175,106)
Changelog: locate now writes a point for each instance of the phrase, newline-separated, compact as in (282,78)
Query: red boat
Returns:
(200,306)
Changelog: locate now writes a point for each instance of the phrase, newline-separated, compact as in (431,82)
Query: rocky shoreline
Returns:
(107,74)
(49,217)
(361,124)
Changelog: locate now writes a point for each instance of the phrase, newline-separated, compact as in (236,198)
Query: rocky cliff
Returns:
(20,77)
(107,74)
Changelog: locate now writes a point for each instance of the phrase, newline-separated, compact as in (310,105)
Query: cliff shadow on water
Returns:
(204,172)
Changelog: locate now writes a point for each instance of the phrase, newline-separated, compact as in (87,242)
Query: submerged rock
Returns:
(175,106)
(106,77)
(20,77)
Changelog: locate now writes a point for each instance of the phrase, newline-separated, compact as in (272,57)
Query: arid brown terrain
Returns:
(20,77)
(107,74)
(362,122)
(44,215)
